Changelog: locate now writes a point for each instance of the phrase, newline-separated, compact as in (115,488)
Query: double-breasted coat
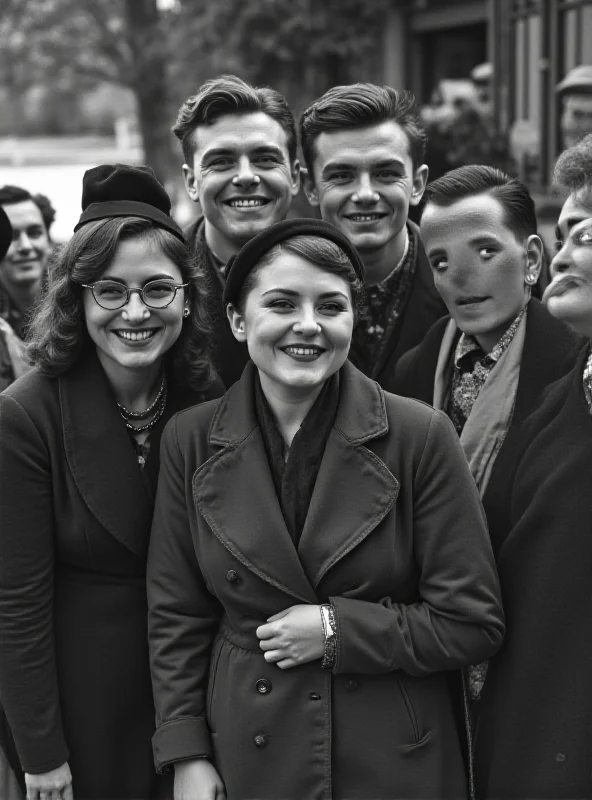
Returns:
(535,729)
(75,516)
(395,538)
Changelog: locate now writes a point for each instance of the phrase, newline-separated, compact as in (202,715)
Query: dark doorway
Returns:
(450,53)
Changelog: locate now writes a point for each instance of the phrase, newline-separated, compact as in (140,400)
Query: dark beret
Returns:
(5,233)
(243,262)
(121,190)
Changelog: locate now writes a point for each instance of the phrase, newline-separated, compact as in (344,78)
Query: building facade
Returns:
(531,44)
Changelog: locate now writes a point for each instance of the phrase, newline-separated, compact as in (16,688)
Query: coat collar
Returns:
(101,456)
(354,490)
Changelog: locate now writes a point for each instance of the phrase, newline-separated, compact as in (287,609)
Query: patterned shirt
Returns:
(385,302)
(471,369)
(587,379)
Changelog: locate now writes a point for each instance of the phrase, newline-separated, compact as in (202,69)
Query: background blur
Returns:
(84,82)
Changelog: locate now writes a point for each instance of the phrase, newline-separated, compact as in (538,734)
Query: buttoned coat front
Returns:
(395,538)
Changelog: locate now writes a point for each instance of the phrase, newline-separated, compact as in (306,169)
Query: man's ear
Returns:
(237,323)
(295,175)
(310,189)
(420,180)
(190,183)
(535,252)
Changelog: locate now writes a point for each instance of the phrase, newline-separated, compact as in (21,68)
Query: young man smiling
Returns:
(364,147)
(239,146)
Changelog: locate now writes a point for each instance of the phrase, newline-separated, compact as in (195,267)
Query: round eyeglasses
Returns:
(155,294)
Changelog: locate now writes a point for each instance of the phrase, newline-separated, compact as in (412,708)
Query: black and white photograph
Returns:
(295,400)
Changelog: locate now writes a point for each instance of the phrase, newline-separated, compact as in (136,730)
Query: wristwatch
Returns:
(330,634)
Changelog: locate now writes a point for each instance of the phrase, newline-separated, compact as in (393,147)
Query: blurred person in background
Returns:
(119,344)
(9,788)
(239,145)
(364,151)
(575,91)
(24,266)
(535,725)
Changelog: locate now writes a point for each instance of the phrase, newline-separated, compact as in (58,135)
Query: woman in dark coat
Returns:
(119,346)
(318,559)
(535,728)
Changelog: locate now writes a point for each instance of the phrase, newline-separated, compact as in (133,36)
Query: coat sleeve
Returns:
(28,674)
(183,618)
(458,620)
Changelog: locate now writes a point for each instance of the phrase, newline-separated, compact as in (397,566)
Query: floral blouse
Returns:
(587,379)
(471,369)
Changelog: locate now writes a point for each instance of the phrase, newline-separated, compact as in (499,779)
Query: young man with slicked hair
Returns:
(239,148)
(364,147)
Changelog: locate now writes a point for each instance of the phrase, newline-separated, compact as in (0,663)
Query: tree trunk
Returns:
(149,82)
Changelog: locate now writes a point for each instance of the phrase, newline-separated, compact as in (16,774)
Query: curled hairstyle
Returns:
(10,195)
(469,181)
(358,106)
(231,95)
(323,254)
(573,170)
(58,332)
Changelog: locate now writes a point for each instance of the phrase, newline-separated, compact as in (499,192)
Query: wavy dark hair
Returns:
(324,254)
(573,170)
(228,94)
(359,106)
(58,333)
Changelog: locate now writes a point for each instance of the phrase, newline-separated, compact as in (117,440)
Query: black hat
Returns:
(243,262)
(120,190)
(5,233)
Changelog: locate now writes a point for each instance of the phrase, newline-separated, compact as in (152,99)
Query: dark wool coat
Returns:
(424,307)
(535,730)
(550,351)
(229,355)
(394,536)
(75,515)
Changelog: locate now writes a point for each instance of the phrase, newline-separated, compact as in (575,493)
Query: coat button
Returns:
(263,686)
(314,696)
(260,740)
(351,685)
(232,576)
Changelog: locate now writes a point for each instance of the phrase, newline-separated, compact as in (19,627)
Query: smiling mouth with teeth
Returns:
(247,202)
(365,217)
(292,350)
(136,336)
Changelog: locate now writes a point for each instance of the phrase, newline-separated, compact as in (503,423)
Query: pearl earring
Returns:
(186,312)
(530,279)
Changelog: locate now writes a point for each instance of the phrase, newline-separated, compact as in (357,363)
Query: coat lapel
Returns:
(354,489)
(101,456)
(234,493)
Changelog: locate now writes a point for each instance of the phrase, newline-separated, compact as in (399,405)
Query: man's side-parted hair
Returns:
(472,180)
(228,94)
(573,170)
(58,334)
(358,106)
(10,195)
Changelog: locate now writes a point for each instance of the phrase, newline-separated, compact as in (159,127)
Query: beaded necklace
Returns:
(156,409)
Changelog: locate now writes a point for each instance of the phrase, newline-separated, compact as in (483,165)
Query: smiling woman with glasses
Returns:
(119,344)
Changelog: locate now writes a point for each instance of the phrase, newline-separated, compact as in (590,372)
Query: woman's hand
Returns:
(293,636)
(198,780)
(53,785)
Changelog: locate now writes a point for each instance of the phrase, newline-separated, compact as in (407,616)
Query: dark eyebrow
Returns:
(571,222)
(336,165)
(484,238)
(161,277)
(218,151)
(293,293)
